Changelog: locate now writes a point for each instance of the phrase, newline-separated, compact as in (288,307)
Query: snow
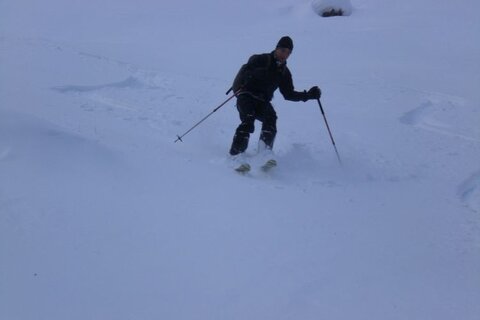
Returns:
(103,216)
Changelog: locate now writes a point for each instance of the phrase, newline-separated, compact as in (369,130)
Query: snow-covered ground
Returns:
(103,216)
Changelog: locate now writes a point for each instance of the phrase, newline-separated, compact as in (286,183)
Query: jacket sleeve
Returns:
(287,89)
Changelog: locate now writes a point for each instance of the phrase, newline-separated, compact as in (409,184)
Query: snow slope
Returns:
(102,216)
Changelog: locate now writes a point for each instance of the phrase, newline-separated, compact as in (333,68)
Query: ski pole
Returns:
(179,138)
(329,132)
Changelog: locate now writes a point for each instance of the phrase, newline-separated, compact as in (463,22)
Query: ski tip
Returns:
(243,168)
(270,164)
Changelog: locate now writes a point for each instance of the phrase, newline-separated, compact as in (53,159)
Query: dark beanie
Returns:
(285,42)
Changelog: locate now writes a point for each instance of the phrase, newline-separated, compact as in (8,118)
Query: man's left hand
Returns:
(314,93)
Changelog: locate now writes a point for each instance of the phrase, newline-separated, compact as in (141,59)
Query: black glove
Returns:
(314,93)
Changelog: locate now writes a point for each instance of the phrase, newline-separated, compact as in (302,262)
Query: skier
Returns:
(257,80)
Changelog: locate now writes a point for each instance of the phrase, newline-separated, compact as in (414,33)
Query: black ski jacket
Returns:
(261,76)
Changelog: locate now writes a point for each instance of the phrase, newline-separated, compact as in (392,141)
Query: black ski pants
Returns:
(251,109)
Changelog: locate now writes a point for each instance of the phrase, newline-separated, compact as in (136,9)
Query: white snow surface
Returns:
(103,216)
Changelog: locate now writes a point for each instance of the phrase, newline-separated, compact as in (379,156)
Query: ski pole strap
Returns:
(236,92)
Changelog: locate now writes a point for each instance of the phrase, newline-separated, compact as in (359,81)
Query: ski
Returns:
(269,165)
(243,168)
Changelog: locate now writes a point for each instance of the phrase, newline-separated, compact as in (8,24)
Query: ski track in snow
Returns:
(129,100)
(469,191)
(143,96)
(129,83)
(438,117)
(438,114)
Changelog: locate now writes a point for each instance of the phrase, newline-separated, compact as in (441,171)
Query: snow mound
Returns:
(47,150)
(328,8)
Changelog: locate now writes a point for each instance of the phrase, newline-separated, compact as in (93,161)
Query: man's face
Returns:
(282,54)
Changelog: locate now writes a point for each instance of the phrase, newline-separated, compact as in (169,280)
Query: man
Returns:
(255,84)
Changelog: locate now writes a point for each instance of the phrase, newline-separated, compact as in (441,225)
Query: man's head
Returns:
(285,42)
(284,49)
